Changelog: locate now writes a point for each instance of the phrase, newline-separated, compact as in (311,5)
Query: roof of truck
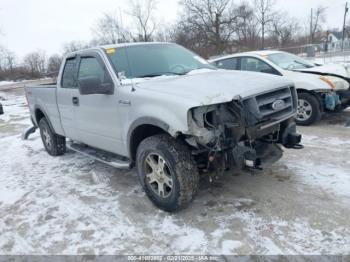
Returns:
(106,47)
(130,44)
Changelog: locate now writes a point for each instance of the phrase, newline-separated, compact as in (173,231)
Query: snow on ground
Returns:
(73,205)
(2,83)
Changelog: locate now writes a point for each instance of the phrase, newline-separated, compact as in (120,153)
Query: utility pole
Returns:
(345,12)
(311,20)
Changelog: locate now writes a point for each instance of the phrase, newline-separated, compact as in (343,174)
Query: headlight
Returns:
(335,83)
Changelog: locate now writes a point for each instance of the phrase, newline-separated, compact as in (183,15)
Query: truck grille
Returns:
(272,106)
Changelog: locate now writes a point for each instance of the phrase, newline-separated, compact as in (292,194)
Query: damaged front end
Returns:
(244,133)
(333,100)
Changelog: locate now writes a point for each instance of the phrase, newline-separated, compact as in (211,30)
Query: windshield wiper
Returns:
(301,63)
(159,74)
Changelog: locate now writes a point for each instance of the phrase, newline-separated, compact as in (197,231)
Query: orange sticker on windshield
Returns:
(110,51)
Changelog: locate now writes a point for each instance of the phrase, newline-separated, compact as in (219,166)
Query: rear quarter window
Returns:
(68,76)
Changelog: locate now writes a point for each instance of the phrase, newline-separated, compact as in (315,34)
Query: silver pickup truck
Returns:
(165,110)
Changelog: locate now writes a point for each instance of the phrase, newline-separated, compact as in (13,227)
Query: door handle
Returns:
(75,101)
(125,102)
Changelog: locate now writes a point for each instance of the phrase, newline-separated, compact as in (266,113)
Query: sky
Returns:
(28,25)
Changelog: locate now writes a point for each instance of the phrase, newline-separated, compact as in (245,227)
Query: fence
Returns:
(323,52)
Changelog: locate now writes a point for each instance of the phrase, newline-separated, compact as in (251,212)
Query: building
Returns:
(333,41)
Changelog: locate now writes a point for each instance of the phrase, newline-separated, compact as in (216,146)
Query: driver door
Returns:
(257,65)
(98,114)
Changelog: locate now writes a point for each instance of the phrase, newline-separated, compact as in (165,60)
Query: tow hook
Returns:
(293,141)
(290,138)
(296,146)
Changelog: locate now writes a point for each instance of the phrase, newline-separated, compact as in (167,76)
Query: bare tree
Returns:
(265,15)
(163,34)
(7,59)
(54,64)
(143,13)
(210,24)
(284,28)
(35,62)
(3,51)
(74,46)
(247,27)
(10,59)
(109,30)
(316,20)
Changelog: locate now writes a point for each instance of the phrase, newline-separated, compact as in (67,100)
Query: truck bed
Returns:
(43,97)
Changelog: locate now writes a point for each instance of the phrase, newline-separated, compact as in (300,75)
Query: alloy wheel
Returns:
(304,110)
(158,175)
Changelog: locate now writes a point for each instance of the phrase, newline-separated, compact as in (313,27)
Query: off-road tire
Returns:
(182,167)
(316,111)
(57,147)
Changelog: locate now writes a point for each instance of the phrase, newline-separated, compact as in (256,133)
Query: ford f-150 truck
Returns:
(167,111)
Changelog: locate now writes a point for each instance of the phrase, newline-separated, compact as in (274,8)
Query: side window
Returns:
(256,65)
(90,67)
(230,63)
(68,76)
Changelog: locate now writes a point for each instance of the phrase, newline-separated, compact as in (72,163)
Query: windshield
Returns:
(289,61)
(151,60)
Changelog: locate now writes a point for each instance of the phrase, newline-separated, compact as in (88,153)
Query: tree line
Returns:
(208,27)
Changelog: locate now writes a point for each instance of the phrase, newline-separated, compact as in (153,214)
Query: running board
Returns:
(110,159)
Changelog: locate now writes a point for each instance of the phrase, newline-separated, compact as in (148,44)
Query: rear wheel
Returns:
(54,144)
(308,109)
(167,172)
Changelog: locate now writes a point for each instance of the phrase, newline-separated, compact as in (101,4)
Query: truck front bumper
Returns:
(262,153)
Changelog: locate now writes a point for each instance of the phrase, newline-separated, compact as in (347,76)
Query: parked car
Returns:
(1,109)
(165,110)
(320,88)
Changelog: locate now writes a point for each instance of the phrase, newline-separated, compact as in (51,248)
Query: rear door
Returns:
(98,114)
(67,89)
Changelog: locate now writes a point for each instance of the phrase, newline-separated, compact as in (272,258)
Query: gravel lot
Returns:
(72,205)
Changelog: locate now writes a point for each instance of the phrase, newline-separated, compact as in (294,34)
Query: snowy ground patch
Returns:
(3,83)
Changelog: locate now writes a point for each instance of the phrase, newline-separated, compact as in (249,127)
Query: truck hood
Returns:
(340,70)
(214,86)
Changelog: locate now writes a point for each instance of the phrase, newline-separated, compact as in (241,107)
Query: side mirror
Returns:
(93,85)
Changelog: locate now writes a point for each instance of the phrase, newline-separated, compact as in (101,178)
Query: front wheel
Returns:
(308,109)
(167,172)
